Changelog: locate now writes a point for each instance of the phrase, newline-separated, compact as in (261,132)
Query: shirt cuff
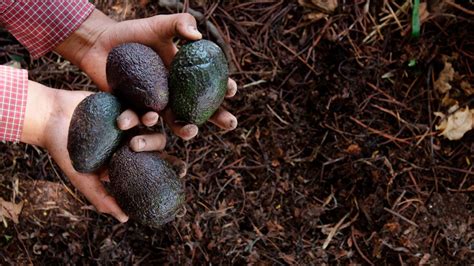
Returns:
(41,25)
(13,96)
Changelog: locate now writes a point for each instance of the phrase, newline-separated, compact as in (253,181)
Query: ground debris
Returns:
(10,210)
(336,145)
(454,125)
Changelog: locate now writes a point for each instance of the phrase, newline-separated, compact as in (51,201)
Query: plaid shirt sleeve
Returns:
(40,25)
(13,95)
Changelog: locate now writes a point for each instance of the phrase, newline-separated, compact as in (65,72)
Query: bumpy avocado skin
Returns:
(145,186)
(138,77)
(198,81)
(93,133)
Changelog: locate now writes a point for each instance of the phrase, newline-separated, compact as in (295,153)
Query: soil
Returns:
(336,158)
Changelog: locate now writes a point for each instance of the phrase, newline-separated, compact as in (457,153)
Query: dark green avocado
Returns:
(93,134)
(198,81)
(138,77)
(145,186)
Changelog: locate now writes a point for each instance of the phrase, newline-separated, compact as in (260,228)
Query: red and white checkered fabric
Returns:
(13,95)
(4,4)
(40,25)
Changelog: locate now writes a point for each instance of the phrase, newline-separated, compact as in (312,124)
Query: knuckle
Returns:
(186,17)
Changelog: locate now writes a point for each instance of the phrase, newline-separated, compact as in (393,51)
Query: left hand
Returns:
(47,117)
(88,48)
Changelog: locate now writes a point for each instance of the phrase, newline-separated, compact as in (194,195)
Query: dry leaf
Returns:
(326,6)
(457,124)
(424,13)
(354,149)
(315,16)
(10,210)
(445,76)
(448,101)
(467,88)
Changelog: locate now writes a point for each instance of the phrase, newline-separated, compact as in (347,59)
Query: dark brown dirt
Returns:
(336,158)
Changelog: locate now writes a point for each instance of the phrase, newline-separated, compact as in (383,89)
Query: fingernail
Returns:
(232,91)
(232,123)
(189,131)
(193,30)
(123,122)
(122,218)
(139,144)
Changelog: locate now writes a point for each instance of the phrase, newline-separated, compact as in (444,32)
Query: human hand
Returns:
(88,48)
(47,118)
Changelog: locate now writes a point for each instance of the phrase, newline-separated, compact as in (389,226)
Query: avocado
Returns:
(198,81)
(145,186)
(93,134)
(138,77)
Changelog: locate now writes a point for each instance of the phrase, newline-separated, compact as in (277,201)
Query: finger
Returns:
(96,194)
(170,26)
(224,119)
(150,119)
(231,88)
(127,120)
(185,132)
(178,165)
(151,142)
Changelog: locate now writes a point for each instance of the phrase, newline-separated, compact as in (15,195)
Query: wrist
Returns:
(63,105)
(80,42)
(39,109)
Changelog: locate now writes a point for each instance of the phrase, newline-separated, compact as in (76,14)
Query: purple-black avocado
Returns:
(145,186)
(137,76)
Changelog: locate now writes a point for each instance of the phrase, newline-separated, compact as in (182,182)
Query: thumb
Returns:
(167,27)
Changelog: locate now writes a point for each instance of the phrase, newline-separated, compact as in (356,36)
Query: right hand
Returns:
(88,48)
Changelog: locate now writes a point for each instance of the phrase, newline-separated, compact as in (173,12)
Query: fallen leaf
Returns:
(448,101)
(315,16)
(354,149)
(10,210)
(467,88)
(456,124)
(445,76)
(326,6)
(424,13)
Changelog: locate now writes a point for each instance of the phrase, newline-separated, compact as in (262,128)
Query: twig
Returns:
(277,116)
(378,132)
(455,169)
(401,216)
(334,230)
(23,245)
(357,247)
(299,57)
(459,7)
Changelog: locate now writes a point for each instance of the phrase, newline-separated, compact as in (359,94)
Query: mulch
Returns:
(336,158)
